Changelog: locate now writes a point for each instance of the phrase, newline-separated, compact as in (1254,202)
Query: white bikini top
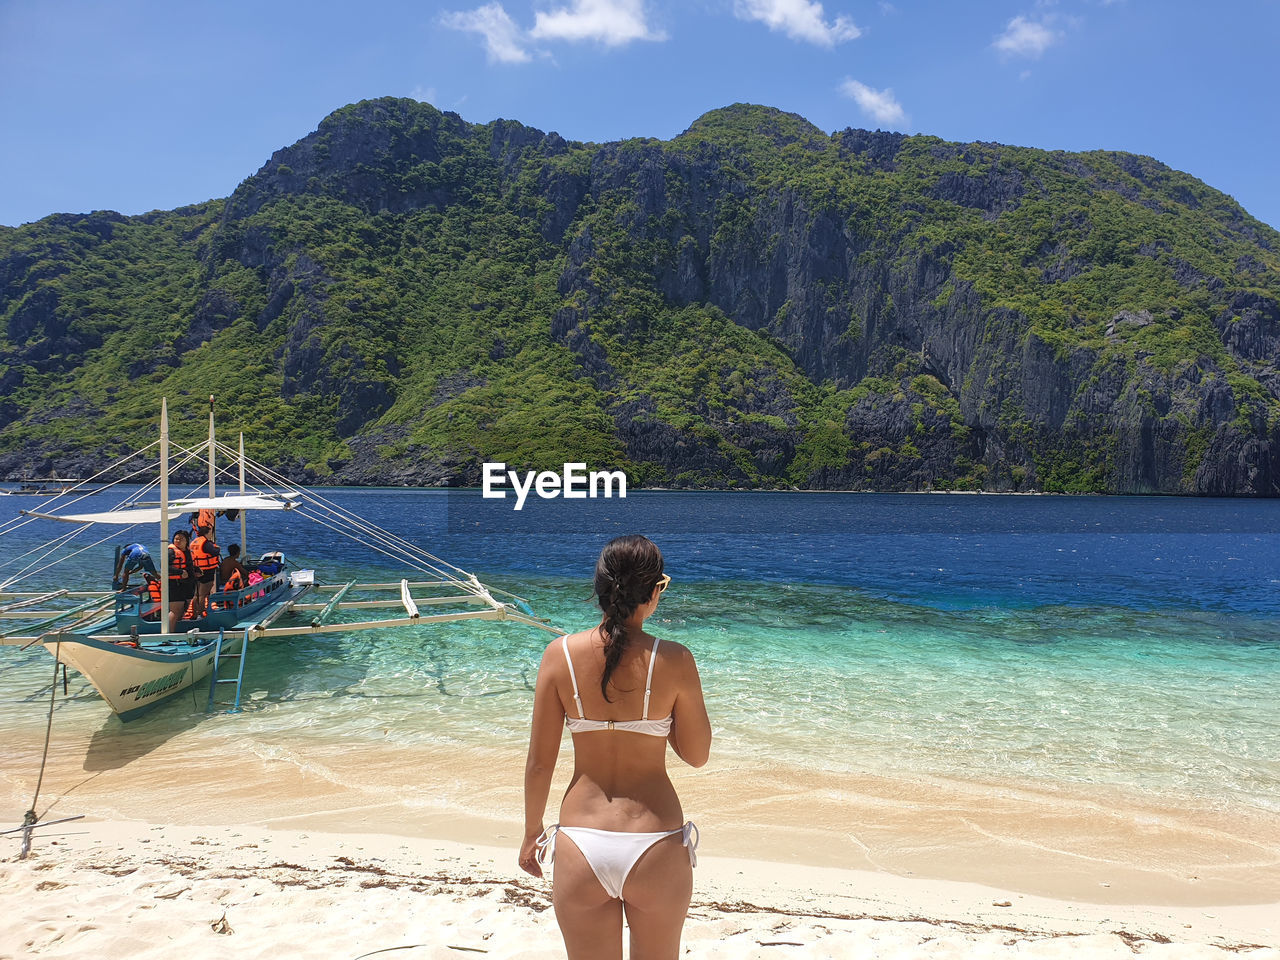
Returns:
(580,724)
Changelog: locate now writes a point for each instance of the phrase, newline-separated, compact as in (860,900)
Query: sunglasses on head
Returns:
(663,583)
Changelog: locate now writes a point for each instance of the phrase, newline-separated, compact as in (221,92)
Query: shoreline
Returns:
(446,488)
(141,889)
(805,490)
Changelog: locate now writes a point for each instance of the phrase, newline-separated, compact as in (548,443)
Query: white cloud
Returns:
(880,104)
(503,41)
(1026,38)
(424,94)
(799,20)
(611,22)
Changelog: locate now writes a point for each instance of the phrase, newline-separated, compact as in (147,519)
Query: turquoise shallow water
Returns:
(1127,643)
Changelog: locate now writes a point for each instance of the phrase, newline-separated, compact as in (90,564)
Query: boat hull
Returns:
(133,679)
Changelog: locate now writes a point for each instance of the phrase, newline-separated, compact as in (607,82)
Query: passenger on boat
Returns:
(231,572)
(150,590)
(133,557)
(231,566)
(204,554)
(622,847)
(204,517)
(182,581)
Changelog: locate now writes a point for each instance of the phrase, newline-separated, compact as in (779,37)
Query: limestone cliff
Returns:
(402,295)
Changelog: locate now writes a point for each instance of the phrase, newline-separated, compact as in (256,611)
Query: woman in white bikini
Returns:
(622,844)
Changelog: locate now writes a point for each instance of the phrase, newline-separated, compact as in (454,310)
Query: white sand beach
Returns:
(116,889)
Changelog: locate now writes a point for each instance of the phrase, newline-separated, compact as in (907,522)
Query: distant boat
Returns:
(120,642)
(47,487)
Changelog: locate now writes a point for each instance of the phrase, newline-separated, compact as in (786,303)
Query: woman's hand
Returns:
(529,854)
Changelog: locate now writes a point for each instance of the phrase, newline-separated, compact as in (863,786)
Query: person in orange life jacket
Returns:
(150,590)
(204,517)
(133,557)
(204,553)
(231,572)
(182,581)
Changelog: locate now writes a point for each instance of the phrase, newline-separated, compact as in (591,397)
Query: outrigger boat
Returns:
(119,640)
(44,487)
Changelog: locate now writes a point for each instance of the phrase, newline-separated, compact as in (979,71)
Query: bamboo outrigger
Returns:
(120,641)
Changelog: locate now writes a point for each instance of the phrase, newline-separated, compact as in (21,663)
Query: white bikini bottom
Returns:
(610,854)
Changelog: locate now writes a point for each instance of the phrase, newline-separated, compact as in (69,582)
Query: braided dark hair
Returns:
(626,573)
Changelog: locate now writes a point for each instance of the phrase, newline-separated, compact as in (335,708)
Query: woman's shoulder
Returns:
(671,652)
(555,648)
(575,639)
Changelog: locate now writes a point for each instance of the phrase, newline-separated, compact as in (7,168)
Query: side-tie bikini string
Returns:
(689,837)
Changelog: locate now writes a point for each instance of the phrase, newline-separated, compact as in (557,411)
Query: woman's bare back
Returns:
(620,777)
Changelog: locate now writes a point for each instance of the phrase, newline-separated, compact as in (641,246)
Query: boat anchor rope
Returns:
(31,820)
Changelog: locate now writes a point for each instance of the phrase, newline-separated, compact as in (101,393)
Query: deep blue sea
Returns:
(1126,642)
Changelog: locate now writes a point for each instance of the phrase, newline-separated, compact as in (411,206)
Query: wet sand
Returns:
(1090,847)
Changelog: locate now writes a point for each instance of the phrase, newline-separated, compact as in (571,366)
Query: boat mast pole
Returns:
(164,515)
(244,533)
(211,491)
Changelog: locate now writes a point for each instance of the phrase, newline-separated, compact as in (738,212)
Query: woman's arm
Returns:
(690,734)
(544,747)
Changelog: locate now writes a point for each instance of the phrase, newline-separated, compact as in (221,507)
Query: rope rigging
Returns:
(392,544)
(49,547)
(31,819)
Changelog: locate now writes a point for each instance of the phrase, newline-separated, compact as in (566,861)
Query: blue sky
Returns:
(134,105)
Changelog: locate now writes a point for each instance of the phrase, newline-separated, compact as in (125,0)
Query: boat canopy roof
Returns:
(134,515)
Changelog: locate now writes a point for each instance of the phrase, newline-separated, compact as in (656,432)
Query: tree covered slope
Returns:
(401,296)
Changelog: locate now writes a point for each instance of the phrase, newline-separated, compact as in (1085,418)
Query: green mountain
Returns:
(401,296)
